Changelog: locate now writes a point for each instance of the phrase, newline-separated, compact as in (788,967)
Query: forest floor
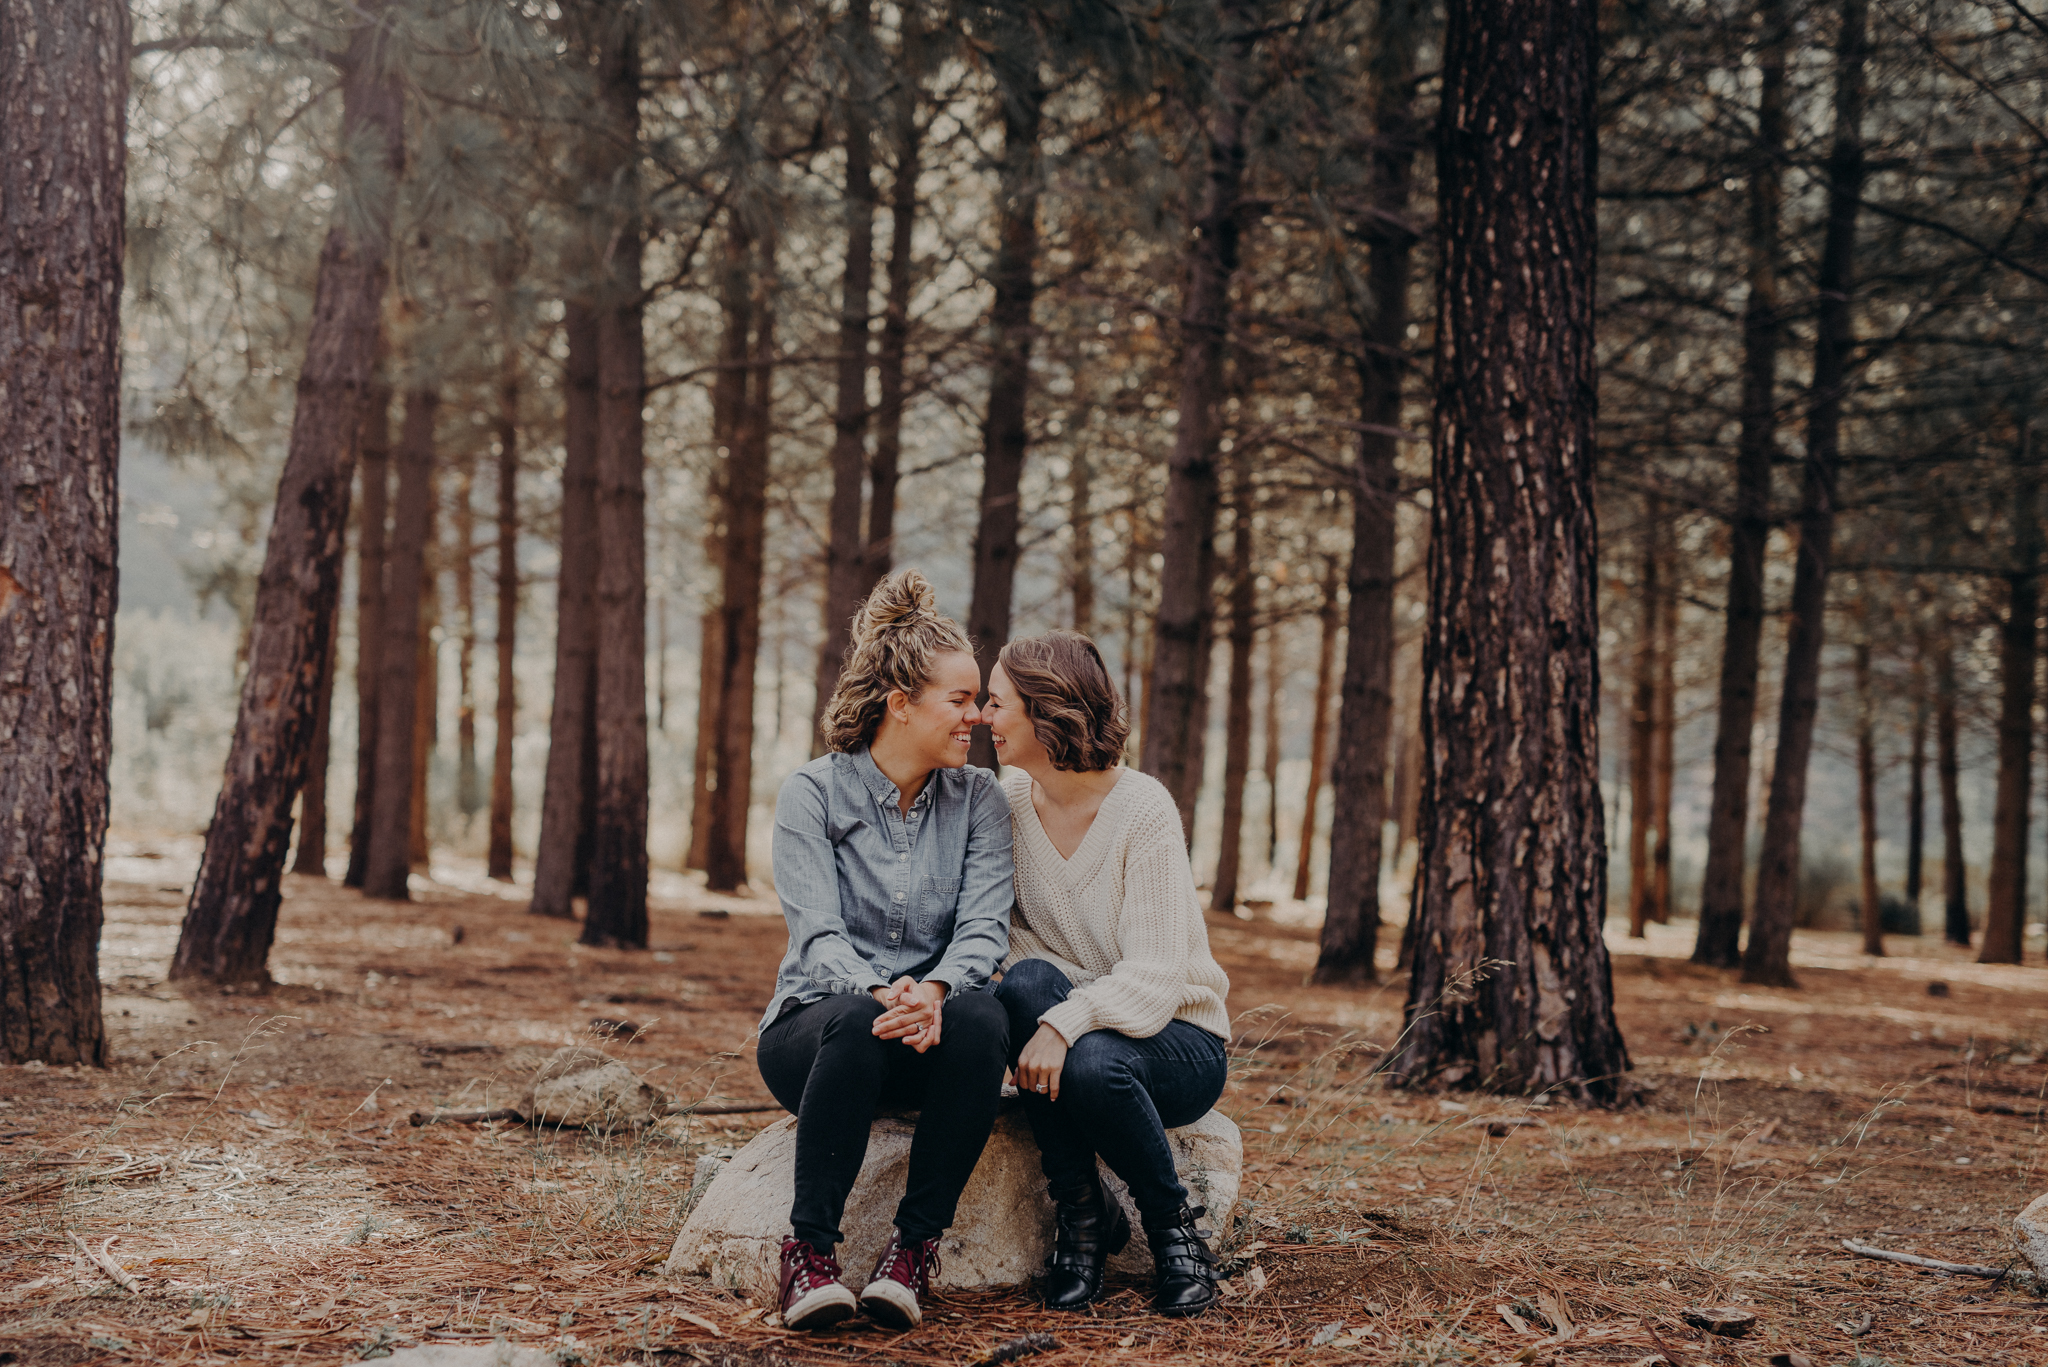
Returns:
(247,1160)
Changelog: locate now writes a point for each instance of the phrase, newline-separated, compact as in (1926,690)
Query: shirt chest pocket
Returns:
(937,900)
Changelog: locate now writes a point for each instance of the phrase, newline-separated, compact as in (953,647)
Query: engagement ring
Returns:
(1043,1087)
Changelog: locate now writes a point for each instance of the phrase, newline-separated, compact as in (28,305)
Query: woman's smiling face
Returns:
(938,724)
(1010,726)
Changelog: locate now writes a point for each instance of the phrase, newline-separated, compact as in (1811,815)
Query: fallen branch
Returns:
(1021,1347)
(119,1274)
(2021,1278)
(465,1117)
(722,1108)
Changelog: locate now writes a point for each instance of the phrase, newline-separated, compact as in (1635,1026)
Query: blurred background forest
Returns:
(913,284)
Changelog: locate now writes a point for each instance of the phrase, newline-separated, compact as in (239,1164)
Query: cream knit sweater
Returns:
(1121,918)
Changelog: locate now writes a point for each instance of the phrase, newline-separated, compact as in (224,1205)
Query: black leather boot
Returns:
(1184,1269)
(1088,1232)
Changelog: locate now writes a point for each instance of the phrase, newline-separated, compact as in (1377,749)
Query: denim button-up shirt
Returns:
(871,895)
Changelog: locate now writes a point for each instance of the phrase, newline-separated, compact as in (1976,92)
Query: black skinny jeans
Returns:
(824,1063)
(1118,1097)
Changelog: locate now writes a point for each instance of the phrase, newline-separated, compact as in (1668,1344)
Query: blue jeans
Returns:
(1118,1097)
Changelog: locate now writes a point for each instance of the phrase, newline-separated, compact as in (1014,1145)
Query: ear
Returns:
(898,703)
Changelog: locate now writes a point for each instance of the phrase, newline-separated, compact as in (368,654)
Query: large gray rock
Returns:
(2031,1225)
(999,1238)
(500,1354)
(579,1086)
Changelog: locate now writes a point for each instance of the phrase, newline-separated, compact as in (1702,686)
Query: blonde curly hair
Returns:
(897,634)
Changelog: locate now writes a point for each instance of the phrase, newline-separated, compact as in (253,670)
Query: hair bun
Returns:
(904,599)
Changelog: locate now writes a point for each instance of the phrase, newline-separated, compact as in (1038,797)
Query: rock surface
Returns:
(999,1238)
(587,1087)
(2031,1225)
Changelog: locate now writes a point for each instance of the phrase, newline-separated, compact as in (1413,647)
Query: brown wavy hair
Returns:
(1075,709)
(897,634)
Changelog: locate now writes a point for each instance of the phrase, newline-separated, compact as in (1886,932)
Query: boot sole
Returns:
(820,1309)
(1181,1312)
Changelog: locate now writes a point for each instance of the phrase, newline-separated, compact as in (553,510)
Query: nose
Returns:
(974,714)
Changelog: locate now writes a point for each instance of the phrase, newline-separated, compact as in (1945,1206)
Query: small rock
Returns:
(2031,1225)
(579,1086)
(1937,989)
(1724,1320)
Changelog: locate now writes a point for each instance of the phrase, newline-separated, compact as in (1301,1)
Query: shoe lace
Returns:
(809,1269)
(913,1264)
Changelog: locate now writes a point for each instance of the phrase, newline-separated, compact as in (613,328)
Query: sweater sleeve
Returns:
(1138,997)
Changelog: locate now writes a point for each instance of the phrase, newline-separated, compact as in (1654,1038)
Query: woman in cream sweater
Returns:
(1117,1022)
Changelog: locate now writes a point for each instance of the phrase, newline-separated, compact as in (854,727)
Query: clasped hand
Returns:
(913,1012)
(1040,1065)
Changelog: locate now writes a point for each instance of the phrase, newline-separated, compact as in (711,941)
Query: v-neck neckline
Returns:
(1071,864)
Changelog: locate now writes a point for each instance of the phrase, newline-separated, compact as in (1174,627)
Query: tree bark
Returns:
(1511,988)
(1954,872)
(1718,940)
(902,278)
(617,913)
(1081,552)
(469,796)
(1768,956)
(1177,689)
(1351,925)
(398,694)
(371,539)
(1665,732)
(563,848)
(426,683)
(846,550)
(506,705)
(1237,717)
(1916,790)
(1318,734)
(739,627)
(1642,730)
(2005,902)
(63,132)
(1269,754)
(1866,803)
(232,913)
(311,856)
(1005,436)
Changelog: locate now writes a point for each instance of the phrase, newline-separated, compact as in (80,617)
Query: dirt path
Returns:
(247,1160)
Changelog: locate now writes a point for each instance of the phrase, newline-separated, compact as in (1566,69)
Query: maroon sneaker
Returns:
(812,1296)
(901,1275)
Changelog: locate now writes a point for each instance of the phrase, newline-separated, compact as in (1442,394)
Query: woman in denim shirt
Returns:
(892,860)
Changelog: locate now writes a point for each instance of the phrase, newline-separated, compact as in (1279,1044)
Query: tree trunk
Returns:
(846,551)
(1916,791)
(1664,742)
(398,694)
(311,856)
(1176,693)
(1866,802)
(1237,717)
(426,682)
(1954,872)
(1511,989)
(617,913)
(728,407)
(1269,755)
(1768,957)
(506,709)
(739,628)
(1081,553)
(2005,903)
(469,795)
(889,361)
(63,129)
(1718,941)
(1005,436)
(1351,925)
(1318,734)
(371,536)
(1642,731)
(559,855)
(232,913)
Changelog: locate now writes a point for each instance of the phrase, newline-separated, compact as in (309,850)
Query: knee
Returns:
(1093,1069)
(978,1022)
(848,1024)
(1031,987)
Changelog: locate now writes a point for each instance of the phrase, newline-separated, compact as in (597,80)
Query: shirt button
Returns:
(899,896)
(894,938)
(903,859)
